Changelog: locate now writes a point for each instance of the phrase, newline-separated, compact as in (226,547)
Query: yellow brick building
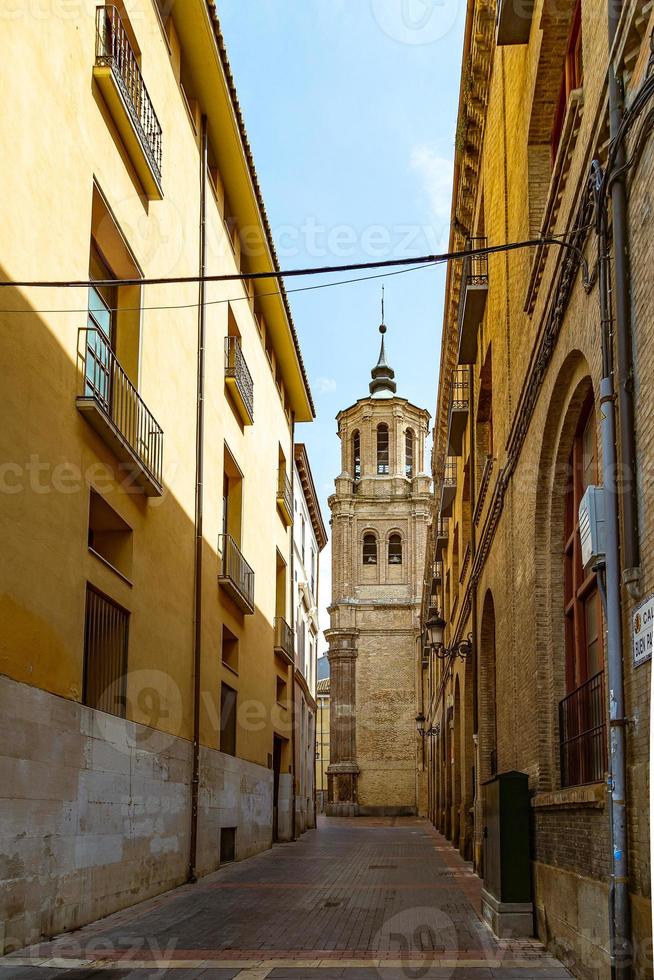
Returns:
(518,439)
(146,623)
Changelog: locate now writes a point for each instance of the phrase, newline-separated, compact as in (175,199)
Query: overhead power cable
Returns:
(232,299)
(434,259)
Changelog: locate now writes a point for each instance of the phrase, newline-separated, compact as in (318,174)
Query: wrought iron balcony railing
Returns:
(582,732)
(472,301)
(239,379)
(285,496)
(234,574)
(458,414)
(284,639)
(114,51)
(440,537)
(448,492)
(114,408)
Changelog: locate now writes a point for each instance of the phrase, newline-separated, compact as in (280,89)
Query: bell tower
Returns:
(380,512)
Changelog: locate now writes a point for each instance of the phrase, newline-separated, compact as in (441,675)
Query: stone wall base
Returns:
(507,920)
(96,813)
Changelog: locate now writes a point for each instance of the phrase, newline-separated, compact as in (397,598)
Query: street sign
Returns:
(643,631)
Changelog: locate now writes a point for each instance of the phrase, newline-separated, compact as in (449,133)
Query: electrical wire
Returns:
(433,259)
(235,299)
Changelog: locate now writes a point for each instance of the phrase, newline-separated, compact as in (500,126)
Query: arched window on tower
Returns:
(356,455)
(409,448)
(395,549)
(382,449)
(369,549)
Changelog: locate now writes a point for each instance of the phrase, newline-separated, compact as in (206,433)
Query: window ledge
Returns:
(593,795)
(558,181)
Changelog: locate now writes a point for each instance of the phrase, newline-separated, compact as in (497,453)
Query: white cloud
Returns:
(436,172)
(324,386)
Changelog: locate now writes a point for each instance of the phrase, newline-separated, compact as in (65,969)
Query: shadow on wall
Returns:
(100,811)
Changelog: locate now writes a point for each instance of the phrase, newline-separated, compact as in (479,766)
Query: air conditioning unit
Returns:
(592,526)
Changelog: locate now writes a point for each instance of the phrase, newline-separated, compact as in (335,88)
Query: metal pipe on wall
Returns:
(619,916)
(624,348)
(199,505)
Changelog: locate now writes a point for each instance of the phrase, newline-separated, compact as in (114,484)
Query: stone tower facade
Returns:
(380,512)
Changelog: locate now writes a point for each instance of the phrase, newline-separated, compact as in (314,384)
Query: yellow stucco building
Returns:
(146,468)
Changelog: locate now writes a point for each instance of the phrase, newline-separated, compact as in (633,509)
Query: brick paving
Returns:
(357,899)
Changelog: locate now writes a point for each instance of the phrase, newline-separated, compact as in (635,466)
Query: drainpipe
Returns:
(623,322)
(619,913)
(315,682)
(199,502)
(292,567)
(473,597)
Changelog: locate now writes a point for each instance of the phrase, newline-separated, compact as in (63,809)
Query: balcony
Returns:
(119,79)
(582,732)
(235,575)
(472,300)
(514,21)
(441,536)
(458,415)
(239,380)
(448,491)
(284,640)
(285,497)
(113,407)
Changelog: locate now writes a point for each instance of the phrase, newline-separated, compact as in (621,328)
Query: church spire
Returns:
(382,384)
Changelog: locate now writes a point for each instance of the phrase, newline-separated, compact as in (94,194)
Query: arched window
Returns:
(395,549)
(582,710)
(409,443)
(369,549)
(382,448)
(584,656)
(356,455)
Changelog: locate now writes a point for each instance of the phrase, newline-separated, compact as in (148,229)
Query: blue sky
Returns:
(350,107)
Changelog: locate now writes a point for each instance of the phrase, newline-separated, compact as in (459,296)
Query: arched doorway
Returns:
(487,744)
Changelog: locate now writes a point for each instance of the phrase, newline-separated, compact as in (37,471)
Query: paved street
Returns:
(358,899)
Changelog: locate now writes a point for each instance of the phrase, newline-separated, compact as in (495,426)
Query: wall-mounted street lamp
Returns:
(420,726)
(435,638)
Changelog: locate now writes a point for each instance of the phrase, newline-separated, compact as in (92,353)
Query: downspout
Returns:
(315,681)
(619,913)
(473,599)
(292,569)
(199,503)
(625,364)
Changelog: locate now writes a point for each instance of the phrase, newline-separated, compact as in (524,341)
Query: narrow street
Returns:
(358,899)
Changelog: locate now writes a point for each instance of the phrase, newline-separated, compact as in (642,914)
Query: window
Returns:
(281,690)
(227,719)
(408,453)
(395,549)
(304,531)
(232,497)
(582,724)
(109,536)
(584,657)
(105,653)
(572,78)
(382,449)
(369,549)
(101,337)
(230,650)
(356,455)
